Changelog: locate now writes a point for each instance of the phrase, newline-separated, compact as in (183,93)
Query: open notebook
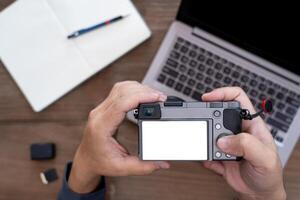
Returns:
(44,63)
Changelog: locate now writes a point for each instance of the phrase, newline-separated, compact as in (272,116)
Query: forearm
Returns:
(82,180)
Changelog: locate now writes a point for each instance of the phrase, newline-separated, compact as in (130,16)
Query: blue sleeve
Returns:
(67,194)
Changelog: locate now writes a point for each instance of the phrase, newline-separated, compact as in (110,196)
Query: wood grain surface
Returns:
(63,123)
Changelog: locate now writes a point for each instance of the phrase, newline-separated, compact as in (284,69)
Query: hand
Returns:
(259,174)
(99,154)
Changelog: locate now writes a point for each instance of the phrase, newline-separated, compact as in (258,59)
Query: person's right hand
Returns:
(259,174)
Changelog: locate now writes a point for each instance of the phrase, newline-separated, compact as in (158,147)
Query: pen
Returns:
(97,26)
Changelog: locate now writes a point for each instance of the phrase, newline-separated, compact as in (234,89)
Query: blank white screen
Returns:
(174,140)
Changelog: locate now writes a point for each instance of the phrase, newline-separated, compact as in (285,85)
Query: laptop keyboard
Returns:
(192,70)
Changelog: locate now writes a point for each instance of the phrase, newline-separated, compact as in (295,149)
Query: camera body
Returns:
(178,130)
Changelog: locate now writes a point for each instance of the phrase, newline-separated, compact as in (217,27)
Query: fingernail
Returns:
(223,142)
(162,165)
(206,94)
(163,97)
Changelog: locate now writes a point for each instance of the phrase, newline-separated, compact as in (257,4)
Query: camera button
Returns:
(217,113)
(228,155)
(218,126)
(218,154)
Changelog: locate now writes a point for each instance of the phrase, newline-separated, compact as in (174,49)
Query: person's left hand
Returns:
(99,154)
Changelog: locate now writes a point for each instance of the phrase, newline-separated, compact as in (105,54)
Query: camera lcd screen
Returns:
(174,140)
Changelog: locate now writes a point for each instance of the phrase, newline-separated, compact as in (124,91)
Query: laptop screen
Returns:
(270,31)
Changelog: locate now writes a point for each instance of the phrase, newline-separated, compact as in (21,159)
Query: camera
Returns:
(177,130)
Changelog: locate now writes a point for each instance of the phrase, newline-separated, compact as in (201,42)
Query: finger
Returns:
(246,146)
(237,94)
(229,94)
(131,101)
(133,166)
(215,166)
(125,88)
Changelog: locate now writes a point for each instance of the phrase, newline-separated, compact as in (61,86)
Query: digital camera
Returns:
(178,130)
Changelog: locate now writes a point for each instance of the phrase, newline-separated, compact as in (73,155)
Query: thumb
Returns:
(133,166)
(247,146)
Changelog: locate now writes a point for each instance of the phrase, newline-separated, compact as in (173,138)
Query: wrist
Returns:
(276,195)
(82,180)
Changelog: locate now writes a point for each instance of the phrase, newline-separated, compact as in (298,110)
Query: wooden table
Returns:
(64,121)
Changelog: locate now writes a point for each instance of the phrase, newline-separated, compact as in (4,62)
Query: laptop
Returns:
(246,45)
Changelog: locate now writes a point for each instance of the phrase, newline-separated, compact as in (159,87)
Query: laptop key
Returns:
(191,82)
(180,39)
(271,91)
(227,70)
(175,55)
(244,79)
(172,63)
(262,87)
(293,102)
(235,74)
(199,76)
(183,78)
(210,62)
(161,78)
(177,46)
(200,86)
(245,88)
(182,68)
(187,43)
(236,83)
(197,96)
(192,54)
(170,72)
(277,124)
(282,117)
(292,94)
(253,93)
(184,49)
(201,58)
(219,76)
(291,111)
(274,132)
(201,67)
(224,61)
(191,72)
(280,106)
(284,90)
(218,66)
(210,71)
(208,89)
(178,87)
(253,83)
(170,82)
(184,59)
(279,139)
(187,91)
(227,80)
(216,84)
(208,81)
(262,97)
(193,63)
(280,95)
